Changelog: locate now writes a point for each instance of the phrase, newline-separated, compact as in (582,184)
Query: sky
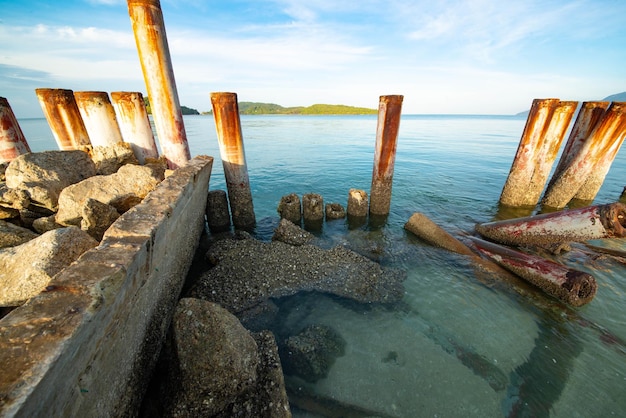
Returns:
(443,56)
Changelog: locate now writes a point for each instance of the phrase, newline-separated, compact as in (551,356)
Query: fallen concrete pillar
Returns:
(551,229)
(589,166)
(571,286)
(543,134)
(12,140)
(154,54)
(61,111)
(99,117)
(135,124)
(218,217)
(87,346)
(230,139)
(425,229)
(389,111)
(290,208)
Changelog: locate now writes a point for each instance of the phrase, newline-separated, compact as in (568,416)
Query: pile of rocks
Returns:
(55,205)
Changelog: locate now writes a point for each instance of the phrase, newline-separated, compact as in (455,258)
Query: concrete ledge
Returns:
(87,345)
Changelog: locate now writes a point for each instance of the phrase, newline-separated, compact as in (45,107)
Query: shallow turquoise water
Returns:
(463,343)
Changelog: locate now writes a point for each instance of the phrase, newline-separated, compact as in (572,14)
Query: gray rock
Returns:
(216,359)
(310,354)
(45,224)
(13,235)
(248,271)
(97,218)
(111,158)
(292,234)
(25,270)
(44,174)
(122,190)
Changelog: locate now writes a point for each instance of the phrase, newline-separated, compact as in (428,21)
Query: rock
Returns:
(312,352)
(45,224)
(334,211)
(122,190)
(291,234)
(248,271)
(97,218)
(13,235)
(14,198)
(44,174)
(25,270)
(216,358)
(109,159)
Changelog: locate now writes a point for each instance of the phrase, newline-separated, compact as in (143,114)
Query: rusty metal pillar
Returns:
(592,162)
(230,138)
(12,140)
(99,117)
(389,111)
(61,111)
(134,123)
(149,29)
(543,134)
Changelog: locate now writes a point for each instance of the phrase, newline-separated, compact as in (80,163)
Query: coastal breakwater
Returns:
(87,345)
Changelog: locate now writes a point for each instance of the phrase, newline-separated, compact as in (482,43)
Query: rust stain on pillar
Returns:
(99,117)
(592,161)
(230,138)
(12,140)
(543,134)
(149,29)
(64,119)
(389,112)
(135,124)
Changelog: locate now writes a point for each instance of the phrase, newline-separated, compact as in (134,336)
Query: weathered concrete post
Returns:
(313,210)
(99,117)
(12,140)
(543,134)
(61,111)
(290,208)
(358,203)
(149,28)
(230,139)
(389,110)
(135,124)
(593,159)
(218,217)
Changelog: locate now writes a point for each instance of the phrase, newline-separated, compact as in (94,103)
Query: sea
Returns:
(462,342)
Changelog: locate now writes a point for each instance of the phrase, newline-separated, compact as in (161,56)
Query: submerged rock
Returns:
(290,233)
(248,271)
(25,270)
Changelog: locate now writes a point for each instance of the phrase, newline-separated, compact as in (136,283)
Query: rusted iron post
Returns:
(551,229)
(99,117)
(290,208)
(12,140)
(135,124)
(230,139)
(389,112)
(61,111)
(571,286)
(543,134)
(592,161)
(149,29)
(218,217)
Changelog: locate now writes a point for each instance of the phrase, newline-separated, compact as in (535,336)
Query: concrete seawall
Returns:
(88,344)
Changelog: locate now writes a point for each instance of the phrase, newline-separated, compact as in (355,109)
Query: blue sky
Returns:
(447,56)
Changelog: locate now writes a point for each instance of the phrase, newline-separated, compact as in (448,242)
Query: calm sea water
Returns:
(461,343)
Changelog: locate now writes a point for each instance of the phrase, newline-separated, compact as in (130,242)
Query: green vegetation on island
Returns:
(255,108)
(184,109)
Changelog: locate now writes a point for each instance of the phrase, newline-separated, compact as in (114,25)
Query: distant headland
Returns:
(618,97)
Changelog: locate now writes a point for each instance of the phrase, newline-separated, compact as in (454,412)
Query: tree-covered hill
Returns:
(255,108)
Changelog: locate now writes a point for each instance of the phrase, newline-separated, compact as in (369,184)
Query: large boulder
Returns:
(109,159)
(26,270)
(44,174)
(13,235)
(121,190)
